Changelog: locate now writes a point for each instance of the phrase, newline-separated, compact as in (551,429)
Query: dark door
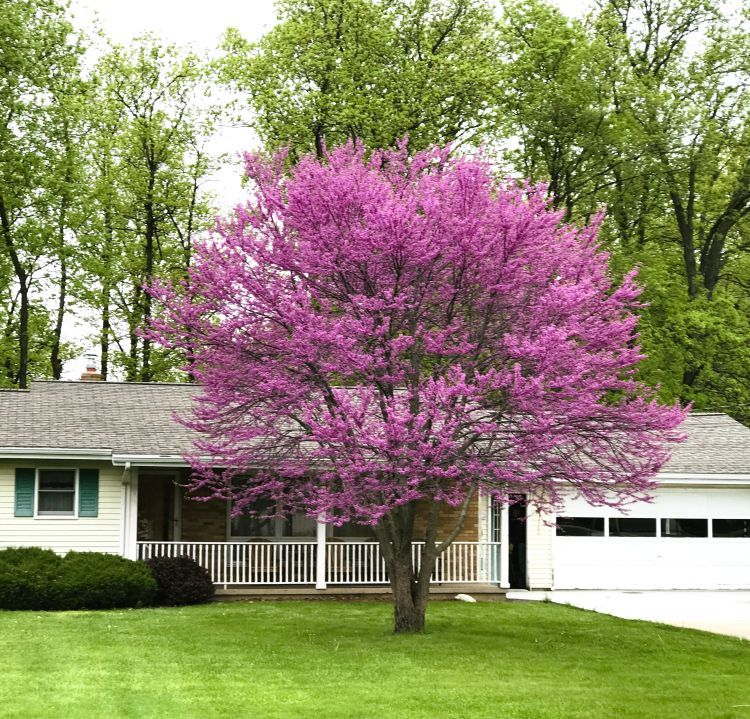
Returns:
(155,507)
(517,543)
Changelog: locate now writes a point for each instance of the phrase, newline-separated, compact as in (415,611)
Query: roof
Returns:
(715,444)
(124,417)
(137,418)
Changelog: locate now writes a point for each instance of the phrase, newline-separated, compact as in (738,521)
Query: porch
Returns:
(298,552)
(327,562)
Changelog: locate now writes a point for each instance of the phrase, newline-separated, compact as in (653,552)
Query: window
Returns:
(580,526)
(727,528)
(352,530)
(684,527)
(632,527)
(263,526)
(257,526)
(56,492)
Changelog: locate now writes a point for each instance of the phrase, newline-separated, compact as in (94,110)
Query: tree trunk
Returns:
(409,595)
(104,332)
(23,288)
(55,360)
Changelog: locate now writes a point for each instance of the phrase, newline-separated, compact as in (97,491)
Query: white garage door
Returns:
(693,538)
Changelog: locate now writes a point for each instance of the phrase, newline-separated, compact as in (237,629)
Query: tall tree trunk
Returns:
(23,288)
(149,249)
(105,330)
(55,360)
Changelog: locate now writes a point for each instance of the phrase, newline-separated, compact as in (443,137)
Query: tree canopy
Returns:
(372,333)
(369,70)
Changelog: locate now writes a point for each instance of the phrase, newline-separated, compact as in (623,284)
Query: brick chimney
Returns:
(91,374)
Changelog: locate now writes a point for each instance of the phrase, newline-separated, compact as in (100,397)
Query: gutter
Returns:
(54,453)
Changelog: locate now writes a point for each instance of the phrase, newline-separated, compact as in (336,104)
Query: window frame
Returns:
(74,513)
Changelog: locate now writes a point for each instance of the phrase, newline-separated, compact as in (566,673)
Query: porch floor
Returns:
(480,592)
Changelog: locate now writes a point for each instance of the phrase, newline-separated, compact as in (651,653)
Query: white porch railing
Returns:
(346,562)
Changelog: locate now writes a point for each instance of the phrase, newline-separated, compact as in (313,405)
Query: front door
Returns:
(517,542)
(156,507)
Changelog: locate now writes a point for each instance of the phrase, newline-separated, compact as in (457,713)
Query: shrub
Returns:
(181,580)
(34,578)
(27,577)
(93,580)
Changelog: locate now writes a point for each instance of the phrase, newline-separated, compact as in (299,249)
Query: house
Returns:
(99,466)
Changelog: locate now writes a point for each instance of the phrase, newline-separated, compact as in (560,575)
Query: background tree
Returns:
(372,334)
(373,70)
(149,123)
(39,79)
(643,109)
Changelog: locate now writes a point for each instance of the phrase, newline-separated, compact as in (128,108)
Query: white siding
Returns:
(539,536)
(94,534)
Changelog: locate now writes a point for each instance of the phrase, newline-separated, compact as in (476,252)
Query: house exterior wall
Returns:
(62,534)
(204,521)
(447,521)
(539,559)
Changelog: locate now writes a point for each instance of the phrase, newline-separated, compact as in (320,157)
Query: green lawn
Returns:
(331,660)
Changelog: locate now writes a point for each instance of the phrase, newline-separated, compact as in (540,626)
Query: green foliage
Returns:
(181,580)
(644,109)
(34,578)
(27,576)
(147,159)
(93,580)
(40,102)
(374,70)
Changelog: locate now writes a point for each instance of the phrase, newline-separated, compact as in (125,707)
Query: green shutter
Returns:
(25,483)
(88,493)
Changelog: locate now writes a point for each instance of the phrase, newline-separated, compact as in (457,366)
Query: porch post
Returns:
(320,556)
(504,547)
(130,513)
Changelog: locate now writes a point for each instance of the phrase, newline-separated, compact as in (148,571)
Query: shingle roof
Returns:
(137,418)
(127,418)
(716,444)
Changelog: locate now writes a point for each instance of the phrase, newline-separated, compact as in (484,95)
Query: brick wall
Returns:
(204,521)
(447,521)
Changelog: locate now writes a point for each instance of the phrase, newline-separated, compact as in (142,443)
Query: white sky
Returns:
(198,24)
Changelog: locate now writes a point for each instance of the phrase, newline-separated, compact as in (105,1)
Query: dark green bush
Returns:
(27,577)
(93,580)
(181,580)
(34,578)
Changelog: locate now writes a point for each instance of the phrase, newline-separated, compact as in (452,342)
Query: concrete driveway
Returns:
(726,612)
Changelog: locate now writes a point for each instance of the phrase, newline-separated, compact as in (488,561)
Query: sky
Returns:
(199,24)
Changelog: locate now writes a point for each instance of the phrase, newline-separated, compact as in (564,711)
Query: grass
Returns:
(331,660)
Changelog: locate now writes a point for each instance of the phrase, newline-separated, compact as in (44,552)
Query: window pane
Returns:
(684,527)
(731,527)
(246,526)
(59,479)
(353,530)
(580,526)
(301,526)
(56,502)
(632,527)
(250,526)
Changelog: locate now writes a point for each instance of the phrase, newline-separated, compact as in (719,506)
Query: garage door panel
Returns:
(658,562)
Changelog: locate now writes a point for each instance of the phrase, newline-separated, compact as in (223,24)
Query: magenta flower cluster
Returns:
(374,330)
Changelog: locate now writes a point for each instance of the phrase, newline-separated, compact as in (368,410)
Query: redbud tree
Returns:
(379,336)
